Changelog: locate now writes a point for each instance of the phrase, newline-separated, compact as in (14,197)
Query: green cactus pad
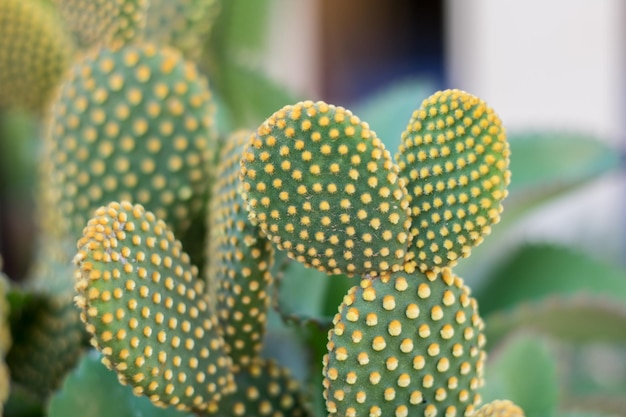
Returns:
(454,158)
(104,22)
(239,259)
(183,24)
(147,310)
(499,408)
(34,53)
(264,388)
(405,344)
(323,187)
(47,342)
(130,124)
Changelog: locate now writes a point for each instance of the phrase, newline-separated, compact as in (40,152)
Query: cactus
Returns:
(240,259)
(34,53)
(131,123)
(147,310)
(104,22)
(499,408)
(321,185)
(405,344)
(182,238)
(455,157)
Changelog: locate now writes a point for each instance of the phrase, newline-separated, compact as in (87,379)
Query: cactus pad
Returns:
(454,158)
(147,310)
(130,124)
(323,187)
(264,388)
(499,408)
(103,22)
(183,24)
(48,341)
(34,53)
(405,345)
(239,259)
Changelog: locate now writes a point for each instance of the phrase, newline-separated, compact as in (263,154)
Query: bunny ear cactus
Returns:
(322,186)
(239,260)
(405,344)
(132,123)
(318,182)
(147,310)
(35,51)
(454,157)
(156,325)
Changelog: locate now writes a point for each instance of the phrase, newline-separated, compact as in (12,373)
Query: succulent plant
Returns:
(321,186)
(179,238)
(35,50)
(405,344)
(455,157)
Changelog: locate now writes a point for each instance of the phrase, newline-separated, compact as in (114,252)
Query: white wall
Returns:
(543,63)
(551,64)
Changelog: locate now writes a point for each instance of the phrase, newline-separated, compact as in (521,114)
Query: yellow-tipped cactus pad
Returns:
(405,345)
(323,187)
(148,311)
(499,408)
(454,158)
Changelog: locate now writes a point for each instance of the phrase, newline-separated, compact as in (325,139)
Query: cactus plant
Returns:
(132,165)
